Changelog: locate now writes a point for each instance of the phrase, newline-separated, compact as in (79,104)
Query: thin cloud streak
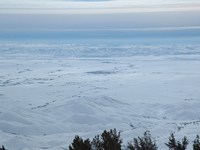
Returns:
(100,7)
(95,11)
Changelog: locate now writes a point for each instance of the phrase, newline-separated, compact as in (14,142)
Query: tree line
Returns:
(111,140)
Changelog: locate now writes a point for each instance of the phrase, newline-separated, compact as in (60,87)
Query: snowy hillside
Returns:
(50,93)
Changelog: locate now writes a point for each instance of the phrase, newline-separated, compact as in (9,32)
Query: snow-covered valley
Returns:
(47,98)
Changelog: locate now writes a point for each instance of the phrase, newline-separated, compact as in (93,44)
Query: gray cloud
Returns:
(99,21)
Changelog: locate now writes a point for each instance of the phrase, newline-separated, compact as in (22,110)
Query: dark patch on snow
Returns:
(101,72)
(25,70)
(41,106)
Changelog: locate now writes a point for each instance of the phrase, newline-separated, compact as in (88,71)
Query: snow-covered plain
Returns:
(51,92)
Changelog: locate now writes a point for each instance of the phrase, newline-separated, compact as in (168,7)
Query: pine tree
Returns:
(3,148)
(184,143)
(196,143)
(109,140)
(177,145)
(172,142)
(143,143)
(97,143)
(131,145)
(80,144)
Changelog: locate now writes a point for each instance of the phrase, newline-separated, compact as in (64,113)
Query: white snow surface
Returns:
(46,99)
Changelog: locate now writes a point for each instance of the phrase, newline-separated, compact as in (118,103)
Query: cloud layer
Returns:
(97,14)
(95,6)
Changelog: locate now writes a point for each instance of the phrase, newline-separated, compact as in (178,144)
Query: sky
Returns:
(95,6)
(97,14)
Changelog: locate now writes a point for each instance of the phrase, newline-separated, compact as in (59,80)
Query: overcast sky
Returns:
(97,14)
